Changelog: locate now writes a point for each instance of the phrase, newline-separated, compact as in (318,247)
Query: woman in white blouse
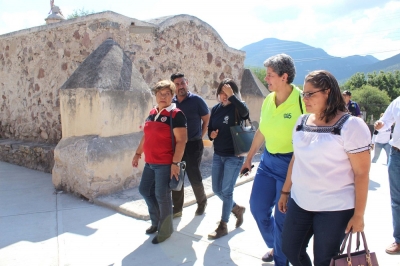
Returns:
(325,192)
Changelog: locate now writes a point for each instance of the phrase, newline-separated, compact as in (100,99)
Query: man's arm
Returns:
(387,119)
(204,126)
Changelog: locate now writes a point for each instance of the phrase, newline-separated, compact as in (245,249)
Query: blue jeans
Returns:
(265,194)
(394,182)
(328,230)
(154,187)
(225,171)
(378,148)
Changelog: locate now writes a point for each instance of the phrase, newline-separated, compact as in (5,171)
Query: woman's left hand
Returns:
(175,171)
(282,203)
(357,223)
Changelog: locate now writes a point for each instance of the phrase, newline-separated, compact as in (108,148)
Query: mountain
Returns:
(389,64)
(307,58)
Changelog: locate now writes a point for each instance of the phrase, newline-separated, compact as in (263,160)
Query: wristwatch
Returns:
(176,163)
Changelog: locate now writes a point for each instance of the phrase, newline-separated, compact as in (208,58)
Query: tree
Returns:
(260,74)
(384,81)
(80,13)
(356,81)
(371,100)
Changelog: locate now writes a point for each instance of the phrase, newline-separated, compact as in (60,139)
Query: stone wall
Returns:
(35,62)
(37,156)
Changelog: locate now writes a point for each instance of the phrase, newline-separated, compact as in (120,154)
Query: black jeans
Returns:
(192,157)
(300,225)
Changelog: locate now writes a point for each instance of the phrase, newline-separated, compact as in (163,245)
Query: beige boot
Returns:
(238,212)
(222,230)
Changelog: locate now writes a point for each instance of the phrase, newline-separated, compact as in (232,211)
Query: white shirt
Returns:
(383,135)
(322,176)
(392,115)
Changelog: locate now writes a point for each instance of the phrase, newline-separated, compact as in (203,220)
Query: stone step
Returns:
(131,203)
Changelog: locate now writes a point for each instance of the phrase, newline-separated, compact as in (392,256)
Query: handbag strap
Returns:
(349,246)
(344,243)
(236,116)
(301,106)
(172,133)
(365,243)
(345,240)
(244,120)
(358,244)
(183,163)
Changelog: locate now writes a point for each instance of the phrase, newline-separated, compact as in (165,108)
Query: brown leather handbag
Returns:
(363,257)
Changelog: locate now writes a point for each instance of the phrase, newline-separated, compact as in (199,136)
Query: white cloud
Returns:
(339,27)
(359,32)
(369,34)
(20,20)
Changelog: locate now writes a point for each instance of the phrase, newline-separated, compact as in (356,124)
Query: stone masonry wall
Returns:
(37,156)
(34,63)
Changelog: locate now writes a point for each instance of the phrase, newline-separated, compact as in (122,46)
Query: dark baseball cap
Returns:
(346,93)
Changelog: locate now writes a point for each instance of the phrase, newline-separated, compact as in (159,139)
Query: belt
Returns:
(194,139)
(395,148)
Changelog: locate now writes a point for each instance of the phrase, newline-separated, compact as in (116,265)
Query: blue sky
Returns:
(340,27)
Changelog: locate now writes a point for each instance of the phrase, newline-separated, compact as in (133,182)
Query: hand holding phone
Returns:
(245,171)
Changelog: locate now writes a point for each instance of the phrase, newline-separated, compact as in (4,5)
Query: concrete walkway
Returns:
(39,226)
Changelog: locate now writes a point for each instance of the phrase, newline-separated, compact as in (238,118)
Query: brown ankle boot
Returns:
(222,230)
(238,212)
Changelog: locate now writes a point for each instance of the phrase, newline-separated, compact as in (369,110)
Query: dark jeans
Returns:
(192,157)
(154,187)
(300,225)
